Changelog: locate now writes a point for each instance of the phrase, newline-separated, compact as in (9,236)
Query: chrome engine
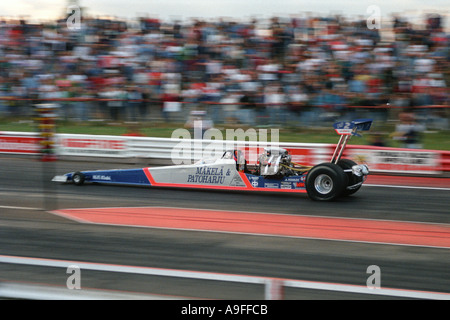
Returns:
(274,162)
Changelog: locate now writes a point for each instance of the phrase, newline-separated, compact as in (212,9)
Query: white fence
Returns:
(273,287)
(176,151)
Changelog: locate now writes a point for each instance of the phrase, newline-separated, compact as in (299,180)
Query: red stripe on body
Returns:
(248,186)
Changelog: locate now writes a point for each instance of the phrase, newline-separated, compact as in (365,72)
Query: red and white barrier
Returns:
(92,146)
(399,160)
(19,143)
(379,159)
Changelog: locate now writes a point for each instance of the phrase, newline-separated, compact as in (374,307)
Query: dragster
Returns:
(274,171)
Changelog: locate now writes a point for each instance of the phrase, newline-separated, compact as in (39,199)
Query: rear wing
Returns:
(347,129)
(351,128)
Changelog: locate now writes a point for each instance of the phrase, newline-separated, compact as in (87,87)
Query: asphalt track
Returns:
(27,229)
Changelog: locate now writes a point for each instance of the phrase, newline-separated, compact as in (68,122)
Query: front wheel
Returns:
(78,178)
(326,182)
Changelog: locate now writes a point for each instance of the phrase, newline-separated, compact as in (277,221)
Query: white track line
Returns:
(20,208)
(405,187)
(224,277)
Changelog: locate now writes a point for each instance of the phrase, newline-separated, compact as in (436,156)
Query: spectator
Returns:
(198,123)
(408,131)
(335,62)
(134,107)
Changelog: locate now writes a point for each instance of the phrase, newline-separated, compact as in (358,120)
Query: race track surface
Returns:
(28,229)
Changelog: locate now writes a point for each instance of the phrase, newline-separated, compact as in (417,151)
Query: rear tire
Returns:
(352,179)
(326,182)
(78,178)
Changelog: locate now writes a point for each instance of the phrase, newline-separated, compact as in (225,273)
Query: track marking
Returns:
(269,224)
(20,208)
(315,285)
(404,187)
(409,181)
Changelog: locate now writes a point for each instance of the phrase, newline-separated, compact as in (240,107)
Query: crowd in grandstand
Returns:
(297,69)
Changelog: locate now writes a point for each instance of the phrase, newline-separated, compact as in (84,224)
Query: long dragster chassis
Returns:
(274,172)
